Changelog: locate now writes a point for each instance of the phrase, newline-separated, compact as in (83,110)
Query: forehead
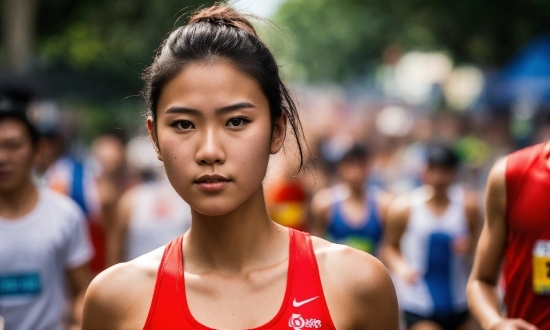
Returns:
(13,129)
(212,84)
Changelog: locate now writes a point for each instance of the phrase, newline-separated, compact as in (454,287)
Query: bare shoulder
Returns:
(120,296)
(350,267)
(357,286)
(399,208)
(497,175)
(385,200)
(322,199)
(495,194)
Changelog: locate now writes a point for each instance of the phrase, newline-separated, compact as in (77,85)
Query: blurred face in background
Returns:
(17,155)
(439,177)
(110,153)
(354,172)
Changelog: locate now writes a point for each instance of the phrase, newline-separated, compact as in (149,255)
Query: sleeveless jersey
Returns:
(365,237)
(304,305)
(528,221)
(427,245)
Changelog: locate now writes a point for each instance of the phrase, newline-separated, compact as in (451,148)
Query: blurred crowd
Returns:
(361,162)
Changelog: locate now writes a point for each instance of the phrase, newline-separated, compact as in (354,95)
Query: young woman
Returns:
(218,109)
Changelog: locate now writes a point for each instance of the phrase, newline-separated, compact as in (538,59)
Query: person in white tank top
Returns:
(150,214)
(430,239)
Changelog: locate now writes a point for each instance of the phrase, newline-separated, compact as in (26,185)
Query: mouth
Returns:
(212,182)
(5,174)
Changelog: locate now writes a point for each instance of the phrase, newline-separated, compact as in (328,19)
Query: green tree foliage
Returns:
(97,49)
(337,40)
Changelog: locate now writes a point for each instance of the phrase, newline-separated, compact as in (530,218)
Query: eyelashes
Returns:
(238,122)
(183,125)
(233,123)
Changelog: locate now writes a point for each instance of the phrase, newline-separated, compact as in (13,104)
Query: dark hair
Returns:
(220,32)
(356,151)
(13,105)
(439,154)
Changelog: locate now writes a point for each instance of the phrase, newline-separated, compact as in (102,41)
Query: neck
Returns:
(438,195)
(18,202)
(356,193)
(236,241)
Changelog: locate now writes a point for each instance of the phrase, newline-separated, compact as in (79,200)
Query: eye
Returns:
(183,125)
(237,122)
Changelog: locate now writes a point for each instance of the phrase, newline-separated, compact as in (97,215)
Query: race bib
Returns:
(541,267)
(23,284)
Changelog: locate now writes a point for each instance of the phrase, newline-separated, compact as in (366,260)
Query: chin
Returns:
(212,209)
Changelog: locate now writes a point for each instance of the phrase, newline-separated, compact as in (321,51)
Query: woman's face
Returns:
(214,136)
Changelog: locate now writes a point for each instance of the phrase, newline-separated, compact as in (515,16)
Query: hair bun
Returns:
(221,14)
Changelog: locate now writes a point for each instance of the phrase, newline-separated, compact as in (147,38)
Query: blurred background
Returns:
(390,74)
(472,73)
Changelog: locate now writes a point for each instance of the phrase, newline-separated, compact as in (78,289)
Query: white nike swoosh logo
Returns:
(298,304)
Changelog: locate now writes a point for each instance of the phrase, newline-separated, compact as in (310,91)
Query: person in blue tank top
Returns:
(350,213)
(430,239)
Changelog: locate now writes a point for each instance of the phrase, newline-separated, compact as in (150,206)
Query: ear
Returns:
(278,134)
(153,135)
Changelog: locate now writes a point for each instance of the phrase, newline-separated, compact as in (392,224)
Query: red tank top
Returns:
(304,305)
(528,220)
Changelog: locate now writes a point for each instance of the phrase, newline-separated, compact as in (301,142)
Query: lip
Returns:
(5,174)
(212,182)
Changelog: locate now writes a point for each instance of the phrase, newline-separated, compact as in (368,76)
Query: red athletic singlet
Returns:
(304,305)
(528,221)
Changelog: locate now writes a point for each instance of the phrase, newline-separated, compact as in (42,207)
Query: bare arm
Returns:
(78,278)
(103,308)
(117,231)
(358,288)
(377,303)
(120,297)
(473,217)
(384,202)
(390,253)
(482,287)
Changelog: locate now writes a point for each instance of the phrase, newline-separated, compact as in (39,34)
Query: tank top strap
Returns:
(306,291)
(303,304)
(168,302)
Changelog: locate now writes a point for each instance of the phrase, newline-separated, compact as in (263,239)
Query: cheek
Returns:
(250,154)
(175,153)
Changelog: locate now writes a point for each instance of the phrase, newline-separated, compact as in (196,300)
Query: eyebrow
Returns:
(229,108)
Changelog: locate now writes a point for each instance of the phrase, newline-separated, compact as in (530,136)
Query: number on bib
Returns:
(541,267)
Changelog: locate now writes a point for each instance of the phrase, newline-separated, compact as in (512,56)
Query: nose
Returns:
(211,149)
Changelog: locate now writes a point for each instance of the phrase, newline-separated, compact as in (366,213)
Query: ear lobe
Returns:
(153,136)
(278,134)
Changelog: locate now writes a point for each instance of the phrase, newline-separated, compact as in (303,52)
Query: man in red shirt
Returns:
(516,238)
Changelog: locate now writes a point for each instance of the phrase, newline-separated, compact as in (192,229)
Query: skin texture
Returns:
(19,196)
(482,287)
(235,257)
(353,175)
(437,181)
